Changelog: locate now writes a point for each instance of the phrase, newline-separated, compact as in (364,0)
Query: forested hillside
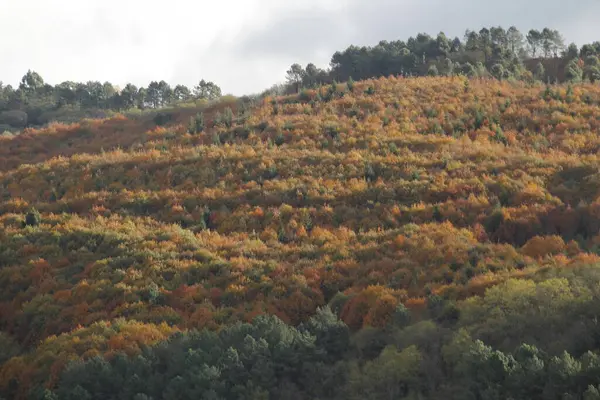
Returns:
(419,238)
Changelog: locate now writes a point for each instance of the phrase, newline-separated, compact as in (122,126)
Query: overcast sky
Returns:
(242,45)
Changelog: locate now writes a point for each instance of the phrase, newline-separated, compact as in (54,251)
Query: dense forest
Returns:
(36,103)
(490,52)
(401,237)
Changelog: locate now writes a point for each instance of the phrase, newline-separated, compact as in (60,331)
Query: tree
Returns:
(499,37)
(472,40)
(159,94)
(153,95)
(82,94)
(33,218)
(448,67)
(165,93)
(331,333)
(196,123)
(181,93)
(294,76)
(65,93)
(106,95)
(401,316)
(468,69)
(6,94)
(534,40)
(498,71)
(558,43)
(540,72)
(485,43)
(592,68)
(572,52)
(588,50)
(128,97)
(392,375)
(457,46)
(552,42)
(314,76)
(94,94)
(442,44)
(227,117)
(31,82)
(515,40)
(207,90)
(573,71)
(141,98)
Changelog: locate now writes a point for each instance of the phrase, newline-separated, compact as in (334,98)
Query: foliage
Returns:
(392,237)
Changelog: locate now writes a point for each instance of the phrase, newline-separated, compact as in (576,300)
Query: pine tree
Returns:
(33,218)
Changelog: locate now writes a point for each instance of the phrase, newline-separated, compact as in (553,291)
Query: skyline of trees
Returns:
(489,52)
(35,102)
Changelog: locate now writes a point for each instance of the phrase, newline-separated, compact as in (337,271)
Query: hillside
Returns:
(388,238)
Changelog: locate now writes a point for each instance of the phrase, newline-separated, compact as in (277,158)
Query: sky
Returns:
(244,46)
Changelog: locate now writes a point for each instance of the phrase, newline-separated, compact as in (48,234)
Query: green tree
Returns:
(432,70)
(588,50)
(442,44)
(294,76)
(128,96)
(572,52)
(141,98)
(207,90)
(485,44)
(540,72)
(592,393)
(392,375)
(448,67)
(331,334)
(153,95)
(499,37)
(573,71)
(181,93)
(196,123)
(592,68)
(498,71)
(31,82)
(33,218)
(534,41)
(469,70)
(165,93)
(515,40)
(227,117)
(65,93)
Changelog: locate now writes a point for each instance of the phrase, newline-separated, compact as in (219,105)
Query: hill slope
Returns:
(427,213)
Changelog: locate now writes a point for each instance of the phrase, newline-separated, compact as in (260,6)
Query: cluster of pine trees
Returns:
(490,52)
(35,102)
